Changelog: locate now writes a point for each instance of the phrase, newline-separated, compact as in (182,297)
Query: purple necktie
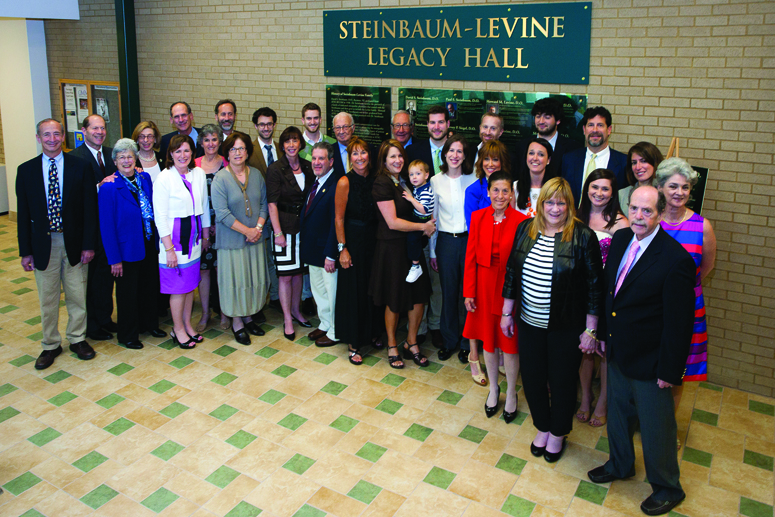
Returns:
(626,269)
(312,195)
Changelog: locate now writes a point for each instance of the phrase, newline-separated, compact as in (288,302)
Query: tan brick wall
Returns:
(2,147)
(702,71)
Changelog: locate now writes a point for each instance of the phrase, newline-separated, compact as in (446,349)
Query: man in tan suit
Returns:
(265,152)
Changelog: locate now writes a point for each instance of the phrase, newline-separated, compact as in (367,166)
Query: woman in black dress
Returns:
(358,322)
(388,284)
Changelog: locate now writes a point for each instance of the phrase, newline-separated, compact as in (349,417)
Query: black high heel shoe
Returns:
(196,338)
(305,324)
(490,411)
(551,457)
(510,416)
(188,345)
(537,451)
(418,358)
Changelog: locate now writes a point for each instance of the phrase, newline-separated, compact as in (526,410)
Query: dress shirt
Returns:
(643,243)
(311,142)
(552,141)
(194,134)
(343,153)
(601,161)
(94,152)
(321,181)
(266,153)
(449,199)
(60,161)
(433,152)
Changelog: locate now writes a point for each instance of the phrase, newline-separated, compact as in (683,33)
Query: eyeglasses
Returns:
(401,126)
(146,137)
(237,150)
(339,129)
(266,125)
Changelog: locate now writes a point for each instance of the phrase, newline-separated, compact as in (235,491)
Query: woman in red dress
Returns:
(490,239)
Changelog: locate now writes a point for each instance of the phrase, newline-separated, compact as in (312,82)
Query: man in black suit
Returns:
(343,125)
(429,150)
(318,246)
(56,225)
(547,116)
(183,119)
(646,336)
(578,164)
(99,289)
(403,128)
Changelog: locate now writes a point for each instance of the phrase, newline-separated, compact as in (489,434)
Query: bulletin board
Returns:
(79,99)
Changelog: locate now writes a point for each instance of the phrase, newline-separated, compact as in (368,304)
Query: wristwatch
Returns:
(341,246)
(591,332)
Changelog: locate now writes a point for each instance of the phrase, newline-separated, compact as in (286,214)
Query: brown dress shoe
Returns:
(83,350)
(325,341)
(46,358)
(316,334)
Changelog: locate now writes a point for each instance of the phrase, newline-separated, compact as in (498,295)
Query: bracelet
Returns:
(278,234)
(259,226)
(591,333)
(506,315)
(170,248)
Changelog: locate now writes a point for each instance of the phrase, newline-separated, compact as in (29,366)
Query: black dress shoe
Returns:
(254,329)
(305,324)
(157,332)
(436,339)
(491,410)
(653,506)
(537,451)
(46,358)
(133,345)
(290,337)
(445,353)
(83,350)
(308,307)
(259,318)
(99,335)
(241,336)
(462,356)
(421,338)
(600,475)
(551,457)
(509,417)
(110,327)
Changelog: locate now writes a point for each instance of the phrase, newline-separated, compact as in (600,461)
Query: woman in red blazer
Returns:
(490,238)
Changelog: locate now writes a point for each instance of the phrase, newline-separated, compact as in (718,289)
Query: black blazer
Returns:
(79,210)
(85,154)
(573,170)
(165,143)
(421,150)
(648,325)
(561,147)
(282,189)
(318,233)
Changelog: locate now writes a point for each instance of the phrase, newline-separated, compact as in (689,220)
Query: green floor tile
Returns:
(22,483)
(222,477)
(23,290)
(333,388)
(519,419)
(697,457)
(284,371)
(32,512)
(517,507)
(167,450)
(224,412)
(389,406)
(309,511)
(212,334)
(602,445)
(37,336)
(21,361)
(392,379)
(110,401)
(371,360)
(159,500)
(33,321)
(511,464)
(99,496)
(591,492)
(304,341)
(174,409)
(706,417)
(761,407)
(224,379)
(90,461)
(7,309)
(162,386)
(433,367)
(167,345)
(272,397)
(8,412)
(418,432)
(119,426)
(450,397)
(62,399)
(371,451)
(751,508)
(45,436)
(325,358)
(364,492)
(244,509)
(181,362)
(473,434)
(299,464)
(673,513)
(5,389)
(292,421)
(266,353)
(710,386)
(241,439)
(57,376)
(7,259)
(344,423)
(440,478)
(758,460)
(224,350)
(20,280)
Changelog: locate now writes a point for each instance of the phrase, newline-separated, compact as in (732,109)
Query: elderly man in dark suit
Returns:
(182,118)
(99,288)
(56,224)
(646,336)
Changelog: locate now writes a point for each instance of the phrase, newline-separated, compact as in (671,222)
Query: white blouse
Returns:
(172,200)
(449,200)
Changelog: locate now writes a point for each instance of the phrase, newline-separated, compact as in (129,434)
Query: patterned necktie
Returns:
(102,164)
(626,269)
(54,198)
(311,195)
(269,155)
(436,161)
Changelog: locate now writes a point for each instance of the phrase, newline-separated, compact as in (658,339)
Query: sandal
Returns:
(188,345)
(477,374)
(583,416)
(201,326)
(418,358)
(197,338)
(598,421)
(393,359)
(352,354)
(223,325)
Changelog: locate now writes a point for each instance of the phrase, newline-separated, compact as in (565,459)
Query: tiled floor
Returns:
(286,429)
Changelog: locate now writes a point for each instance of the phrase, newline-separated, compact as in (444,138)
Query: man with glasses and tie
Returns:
(403,128)
(265,152)
(343,125)
(646,336)
(578,164)
(56,224)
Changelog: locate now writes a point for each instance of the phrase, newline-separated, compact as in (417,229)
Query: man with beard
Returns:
(577,165)
(265,152)
(491,128)
(225,114)
(310,119)
(547,116)
(182,118)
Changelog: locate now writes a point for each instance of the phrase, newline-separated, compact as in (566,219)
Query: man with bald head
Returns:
(182,119)
(646,336)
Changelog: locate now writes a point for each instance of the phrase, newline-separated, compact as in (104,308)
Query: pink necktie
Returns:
(626,269)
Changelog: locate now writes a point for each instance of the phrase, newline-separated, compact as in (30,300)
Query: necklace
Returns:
(684,217)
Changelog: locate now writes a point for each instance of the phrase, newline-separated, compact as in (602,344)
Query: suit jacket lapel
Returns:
(322,191)
(67,180)
(123,189)
(646,260)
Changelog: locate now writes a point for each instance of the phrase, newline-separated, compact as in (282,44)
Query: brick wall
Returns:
(2,147)
(701,70)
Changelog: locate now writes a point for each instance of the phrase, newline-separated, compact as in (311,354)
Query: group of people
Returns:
(535,254)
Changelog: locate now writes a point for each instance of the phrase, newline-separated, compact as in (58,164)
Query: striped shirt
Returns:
(424,195)
(537,282)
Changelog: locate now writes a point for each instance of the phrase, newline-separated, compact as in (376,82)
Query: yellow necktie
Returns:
(590,167)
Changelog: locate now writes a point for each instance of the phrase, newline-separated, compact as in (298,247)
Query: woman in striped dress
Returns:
(554,285)
(675,179)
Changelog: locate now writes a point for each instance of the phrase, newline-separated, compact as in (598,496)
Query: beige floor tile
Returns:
(19,459)
(150,373)
(479,510)
(429,500)
(193,375)
(281,409)
(545,486)
(147,417)
(143,477)
(248,404)
(188,427)
(230,496)
(707,400)
(302,384)
(131,445)
(62,504)
(338,470)
(28,499)
(356,438)
(445,418)
(267,430)
(260,459)
(94,478)
(694,472)
(231,425)
(396,442)
(398,473)
(385,504)
(34,406)
(483,484)
(99,386)
(283,493)
(715,440)
(579,460)
(626,496)
(323,408)
(765,447)
(203,457)
(448,452)
(206,397)
(17,428)
(368,415)
(733,397)
(239,362)
(111,415)
(313,439)
(707,501)
(367,392)
(122,506)
(179,508)
(495,425)
(744,421)
(57,472)
(416,394)
(137,393)
(543,511)
(491,449)
(71,415)
(336,504)
(581,508)
(743,479)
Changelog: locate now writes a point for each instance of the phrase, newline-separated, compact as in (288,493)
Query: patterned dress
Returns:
(689,235)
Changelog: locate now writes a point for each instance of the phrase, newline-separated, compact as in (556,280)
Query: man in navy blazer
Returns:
(318,244)
(547,116)
(438,131)
(646,336)
(578,164)
(58,254)
(182,118)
